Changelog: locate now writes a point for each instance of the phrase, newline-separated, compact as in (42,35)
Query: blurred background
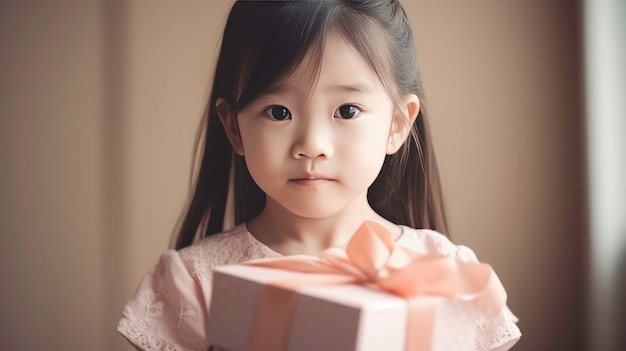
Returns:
(100,101)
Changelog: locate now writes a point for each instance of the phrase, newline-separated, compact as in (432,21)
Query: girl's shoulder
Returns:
(168,310)
(430,241)
(235,245)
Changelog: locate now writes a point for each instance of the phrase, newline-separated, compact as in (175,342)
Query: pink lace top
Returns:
(170,308)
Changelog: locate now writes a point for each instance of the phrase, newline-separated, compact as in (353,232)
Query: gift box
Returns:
(343,302)
(340,317)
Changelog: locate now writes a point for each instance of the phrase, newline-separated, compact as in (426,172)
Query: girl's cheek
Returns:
(262,148)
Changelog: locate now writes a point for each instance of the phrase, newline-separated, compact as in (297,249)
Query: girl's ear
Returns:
(230,124)
(402,122)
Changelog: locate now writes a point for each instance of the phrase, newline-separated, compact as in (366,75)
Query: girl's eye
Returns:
(278,113)
(347,112)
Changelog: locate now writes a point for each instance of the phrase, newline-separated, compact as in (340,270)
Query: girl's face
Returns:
(315,148)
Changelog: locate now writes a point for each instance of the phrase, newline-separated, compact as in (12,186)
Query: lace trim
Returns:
(501,332)
(145,340)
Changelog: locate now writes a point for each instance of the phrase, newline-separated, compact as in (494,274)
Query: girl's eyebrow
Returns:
(356,87)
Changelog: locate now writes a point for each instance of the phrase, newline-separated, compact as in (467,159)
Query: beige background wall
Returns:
(99,105)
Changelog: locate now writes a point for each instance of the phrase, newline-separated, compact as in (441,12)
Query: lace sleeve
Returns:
(168,311)
(495,333)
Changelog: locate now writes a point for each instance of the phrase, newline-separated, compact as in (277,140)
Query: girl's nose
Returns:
(313,140)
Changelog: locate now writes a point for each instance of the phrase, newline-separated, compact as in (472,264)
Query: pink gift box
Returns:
(336,317)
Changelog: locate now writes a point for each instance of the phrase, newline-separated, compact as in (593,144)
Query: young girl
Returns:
(315,124)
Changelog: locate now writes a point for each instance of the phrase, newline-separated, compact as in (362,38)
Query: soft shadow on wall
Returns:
(620,293)
(115,157)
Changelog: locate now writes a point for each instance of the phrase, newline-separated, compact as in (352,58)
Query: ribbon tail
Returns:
(482,284)
(493,298)
(273,318)
(277,304)
(420,323)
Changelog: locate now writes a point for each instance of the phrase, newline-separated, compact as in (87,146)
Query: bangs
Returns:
(273,39)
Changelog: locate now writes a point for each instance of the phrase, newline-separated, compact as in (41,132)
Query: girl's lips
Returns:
(308,182)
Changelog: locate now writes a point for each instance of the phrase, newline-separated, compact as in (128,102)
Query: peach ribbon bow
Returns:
(372,259)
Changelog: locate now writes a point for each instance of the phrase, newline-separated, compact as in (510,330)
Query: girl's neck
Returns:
(289,234)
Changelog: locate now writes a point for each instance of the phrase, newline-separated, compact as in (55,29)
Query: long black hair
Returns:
(263,42)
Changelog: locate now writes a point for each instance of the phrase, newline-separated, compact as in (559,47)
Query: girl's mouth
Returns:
(311,182)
